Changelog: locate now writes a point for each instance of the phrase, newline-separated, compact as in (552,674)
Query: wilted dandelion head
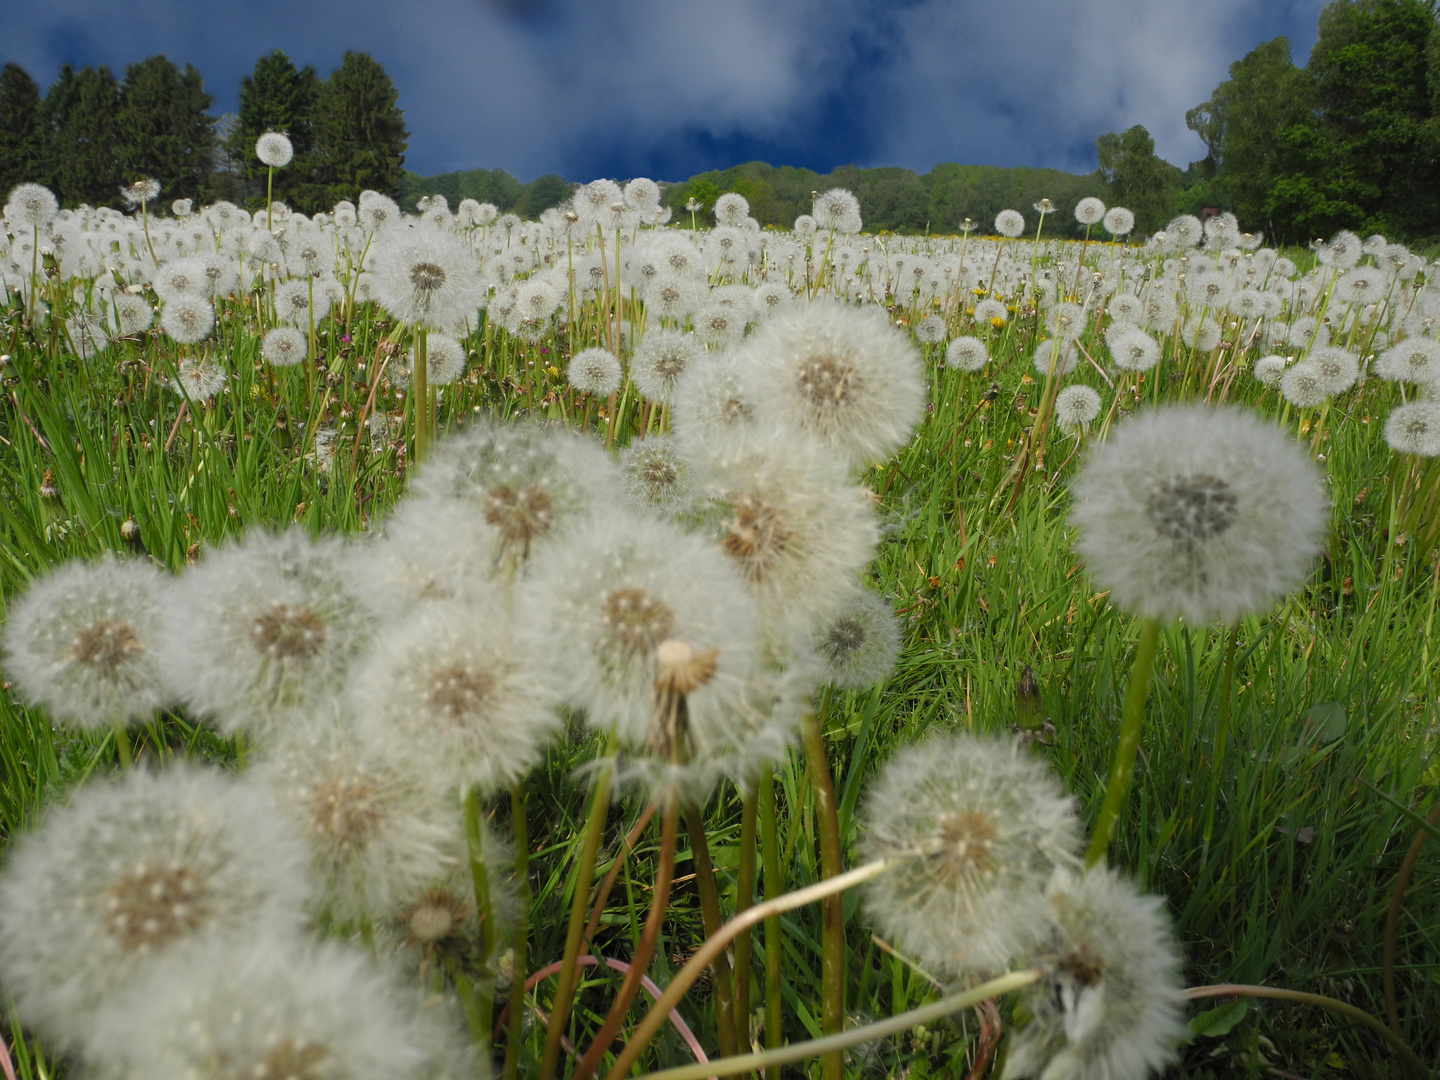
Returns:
(1192,511)
(82,643)
(1077,406)
(1111,1002)
(274,149)
(1414,428)
(975,827)
(595,371)
(129,872)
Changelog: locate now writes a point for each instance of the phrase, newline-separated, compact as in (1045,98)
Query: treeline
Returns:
(91,133)
(495,186)
(1351,140)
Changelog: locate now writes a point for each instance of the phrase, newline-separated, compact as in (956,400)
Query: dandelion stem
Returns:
(122,747)
(770,855)
(480,881)
(710,918)
(744,897)
(1122,768)
(834,1044)
(579,906)
(520,960)
(420,397)
(715,944)
(832,922)
(1222,729)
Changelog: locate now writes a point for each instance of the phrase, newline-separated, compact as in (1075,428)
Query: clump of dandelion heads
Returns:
(595,371)
(31,206)
(187,319)
(966,354)
(378,827)
(1303,385)
(855,648)
(426,276)
(1132,348)
(529,483)
(843,375)
(1077,406)
(274,149)
(130,872)
(662,357)
(1112,1003)
(82,643)
(1269,369)
(284,346)
(275,1009)
(838,210)
(1414,428)
(450,688)
(1010,223)
(1089,210)
(264,629)
(1413,360)
(657,476)
(605,604)
(1199,512)
(1119,221)
(976,828)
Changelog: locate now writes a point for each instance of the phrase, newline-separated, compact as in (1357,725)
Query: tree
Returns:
(162,130)
(278,97)
(542,193)
(22,135)
(81,110)
(360,134)
(1135,178)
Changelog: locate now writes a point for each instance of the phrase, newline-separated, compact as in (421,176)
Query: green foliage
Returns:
(1136,179)
(82,111)
(22,136)
(360,134)
(277,96)
(494,186)
(161,129)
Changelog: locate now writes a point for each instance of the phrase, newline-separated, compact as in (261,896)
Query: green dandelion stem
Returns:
(1222,730)
(715,945)
(744,897)
(1122,768)
(480,881)
(420,398)
(770,856)
(579,908)
(122,747)
(832,921)
(834,1044)
(519,965)
(710,917)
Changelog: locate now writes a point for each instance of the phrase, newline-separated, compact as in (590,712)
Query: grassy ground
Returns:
(1277,862)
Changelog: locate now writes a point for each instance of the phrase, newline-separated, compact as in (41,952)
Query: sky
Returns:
(669,88)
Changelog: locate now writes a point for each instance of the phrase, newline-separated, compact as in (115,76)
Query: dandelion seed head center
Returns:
(290,1059)
(669,365)
(346,810)
(759,534)
(459,690)
(1083,966)
(105,644)
(288,633)
(844,637)
(635,621)
(427,278)
(1192,509)
(960,848)
(521,514)
(658,474)
(827,380)
(734,410)
(155,903)
(431,921)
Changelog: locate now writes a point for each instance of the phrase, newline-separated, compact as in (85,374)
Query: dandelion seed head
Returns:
(1414,428)
(966,354)
(274,149)
(1009,223)
(595,371)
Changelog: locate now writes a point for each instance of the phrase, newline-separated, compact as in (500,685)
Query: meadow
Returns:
(177,381)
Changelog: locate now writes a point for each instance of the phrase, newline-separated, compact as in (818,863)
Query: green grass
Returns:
(1335,691)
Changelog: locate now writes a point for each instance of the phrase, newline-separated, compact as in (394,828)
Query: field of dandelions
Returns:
(442,645)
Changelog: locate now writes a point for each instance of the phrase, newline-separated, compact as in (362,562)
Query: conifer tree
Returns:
(81,110)
(360,134)
(162,130)
(22,136)
(277,96)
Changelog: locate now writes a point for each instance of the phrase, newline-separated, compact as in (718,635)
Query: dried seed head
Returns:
(288,632)
(155,904)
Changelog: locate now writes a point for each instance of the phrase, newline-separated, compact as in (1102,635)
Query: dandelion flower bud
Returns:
(1205,513)
(595,371)
(274,149)
(82,642)
(1414,429)
(966,354)
(976,828)
(131,872)
(1076,406)
(1111,1003)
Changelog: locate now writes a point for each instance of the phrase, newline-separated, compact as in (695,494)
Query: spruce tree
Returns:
(360,132)
(162,130)
(22,136)
(82,109)
(278,97)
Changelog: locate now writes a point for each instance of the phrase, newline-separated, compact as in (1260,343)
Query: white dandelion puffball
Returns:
(284,346)
(1111,1003)
(1132,348)
(1269,369)
(1413,360)
(198,380)
(274,149)
(31,206)
(1205,513)
(445,359)
(1009,223)
(130,872)
(966,354)
(1089,210)
(657,477)
(842,374)
(188,319)
(976,827)
(1303,385)
(1076,406)
(856,647)
(1119,221)
(930,330)
(595,371)
(837,209)
(1414,428)
(426,276)
(659,361)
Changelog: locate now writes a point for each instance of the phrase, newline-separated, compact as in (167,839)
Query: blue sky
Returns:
(667,88)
